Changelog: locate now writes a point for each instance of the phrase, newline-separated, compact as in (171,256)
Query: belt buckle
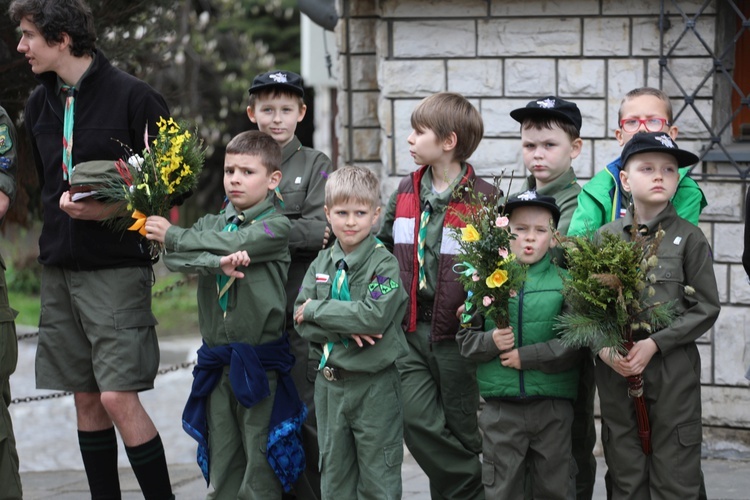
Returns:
(330,373)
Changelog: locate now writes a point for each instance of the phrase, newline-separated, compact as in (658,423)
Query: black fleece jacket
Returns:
(112,108)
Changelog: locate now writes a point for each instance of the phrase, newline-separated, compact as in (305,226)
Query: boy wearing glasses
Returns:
(602,199)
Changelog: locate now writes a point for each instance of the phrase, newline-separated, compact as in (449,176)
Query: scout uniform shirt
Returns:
(255,307)
(302,188)
(564,190)
(377,306)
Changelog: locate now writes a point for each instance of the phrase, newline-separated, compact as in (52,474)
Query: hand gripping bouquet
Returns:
(609,290)
(161,176)
(488,271)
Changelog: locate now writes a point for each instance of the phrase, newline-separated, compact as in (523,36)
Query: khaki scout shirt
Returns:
(564,190)
(377,306)
(255,307)
(685,259)
(304,174)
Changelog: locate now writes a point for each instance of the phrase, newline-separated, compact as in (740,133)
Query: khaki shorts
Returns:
(96,331)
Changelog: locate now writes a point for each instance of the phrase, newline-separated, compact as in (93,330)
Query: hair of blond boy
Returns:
(548,122)
(272,93)
(256,143)
(659,94)
(351,183)
(445,113)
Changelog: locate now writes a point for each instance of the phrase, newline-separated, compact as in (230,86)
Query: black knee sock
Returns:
(99,453)
(150,468)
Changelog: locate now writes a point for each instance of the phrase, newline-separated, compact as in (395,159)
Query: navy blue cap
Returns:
(533,199)
(656,142)
(286,80)
(550,106)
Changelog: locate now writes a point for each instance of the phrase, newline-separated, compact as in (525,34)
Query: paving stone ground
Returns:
(51,465)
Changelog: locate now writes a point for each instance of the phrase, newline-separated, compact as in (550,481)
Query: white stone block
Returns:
(411,78)
(402,110)
(362,35)
(687,73)
(530,77)
(721,271)
(606,36)
(726,406)
(385,115)
(708,232)
(623,75)
(497,120)
(366,144)
(729,248)
(646,36)
(365,109)
(363,73)
(493,156)
(724,201)
(581,77)
(686,118)
(529,37)
(706,363)
(432,8)
(567,8)
(740,289)
(584,164)
(605,151)
(476,77)
(434,38)
(645,7)
(732,346)
(593,115)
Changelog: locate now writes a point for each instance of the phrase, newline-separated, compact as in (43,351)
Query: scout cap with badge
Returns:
(532,199)
(276,79)
(656,142)
(88,177)
(550,106)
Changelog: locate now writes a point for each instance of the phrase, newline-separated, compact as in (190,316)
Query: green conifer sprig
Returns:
(609,290)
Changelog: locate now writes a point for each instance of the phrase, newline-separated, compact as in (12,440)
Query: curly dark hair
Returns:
(54,17)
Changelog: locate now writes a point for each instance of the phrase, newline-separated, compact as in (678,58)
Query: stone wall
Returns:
(500,54)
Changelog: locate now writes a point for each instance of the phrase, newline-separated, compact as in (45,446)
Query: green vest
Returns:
(533,313)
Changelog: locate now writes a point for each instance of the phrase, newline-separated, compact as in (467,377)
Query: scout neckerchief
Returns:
(340,291)
(421,237)
(223,282)
(67,154)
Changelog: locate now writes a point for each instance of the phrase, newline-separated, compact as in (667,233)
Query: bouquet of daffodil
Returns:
(164,172)
(489,272)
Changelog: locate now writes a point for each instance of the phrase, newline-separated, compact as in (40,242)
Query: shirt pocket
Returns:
(293,203)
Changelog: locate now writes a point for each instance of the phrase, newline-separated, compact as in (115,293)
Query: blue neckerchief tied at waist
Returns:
(247,375)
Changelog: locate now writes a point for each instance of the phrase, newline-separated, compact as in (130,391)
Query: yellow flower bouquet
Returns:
(161,176)
(489,272)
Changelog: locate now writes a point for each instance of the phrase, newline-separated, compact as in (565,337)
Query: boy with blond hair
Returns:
(276,106)
(350,308)
(668,359)
(603,199)
(440,392)
(243,408)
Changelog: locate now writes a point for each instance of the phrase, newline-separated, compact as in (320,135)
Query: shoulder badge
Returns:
(5,141)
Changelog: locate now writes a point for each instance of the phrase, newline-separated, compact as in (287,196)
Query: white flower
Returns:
(137,161)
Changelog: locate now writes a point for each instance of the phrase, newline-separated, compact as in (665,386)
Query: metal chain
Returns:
(56,395)
(177,284)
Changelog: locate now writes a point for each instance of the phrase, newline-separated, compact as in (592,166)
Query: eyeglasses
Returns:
(631,125)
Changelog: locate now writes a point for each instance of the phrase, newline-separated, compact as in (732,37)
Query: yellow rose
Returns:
(469,233)
(497,278)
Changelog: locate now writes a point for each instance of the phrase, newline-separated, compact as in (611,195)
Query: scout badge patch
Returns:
(5,141)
